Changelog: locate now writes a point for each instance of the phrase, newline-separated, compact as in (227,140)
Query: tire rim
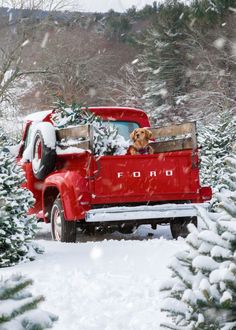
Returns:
(57,224)
(37,154)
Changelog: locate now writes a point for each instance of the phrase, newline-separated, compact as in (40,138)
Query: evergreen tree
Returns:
(117,26)
(71,114)
(17,229)
(106,140)
(19,308)
(202,292)
(210,11)
(164,58)
(216,141)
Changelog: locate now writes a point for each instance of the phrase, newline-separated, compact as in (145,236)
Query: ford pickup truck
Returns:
(79,189)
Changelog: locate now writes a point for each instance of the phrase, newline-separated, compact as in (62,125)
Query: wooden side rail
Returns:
(174,137)
(174,130)
(80,136)
(172,145)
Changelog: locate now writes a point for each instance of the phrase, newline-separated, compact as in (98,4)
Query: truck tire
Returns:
(126,229)
(44,157)
(61,230)
(179,226)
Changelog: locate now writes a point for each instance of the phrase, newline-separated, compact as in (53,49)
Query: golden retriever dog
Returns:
(140,138)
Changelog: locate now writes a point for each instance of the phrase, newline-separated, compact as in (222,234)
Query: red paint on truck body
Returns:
(84,181)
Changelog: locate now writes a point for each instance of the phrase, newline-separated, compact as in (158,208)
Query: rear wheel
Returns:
(62,230)
(126,229)
(179,226)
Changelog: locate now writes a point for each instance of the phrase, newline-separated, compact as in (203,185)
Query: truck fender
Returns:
(74,194)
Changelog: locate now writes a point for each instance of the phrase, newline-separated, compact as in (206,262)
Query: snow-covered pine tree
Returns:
(17,229)
(164,60)
(19,309)
(216,141)
(202,291)
(73,114)
(106,140)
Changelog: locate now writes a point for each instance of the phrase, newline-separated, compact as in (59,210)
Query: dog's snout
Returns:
(137,135)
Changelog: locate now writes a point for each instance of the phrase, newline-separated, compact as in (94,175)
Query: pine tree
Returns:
(210,11)
(17,229)
(19,308)
(164,58)
(202,292)
(216,141)
(71,114)
(106,140)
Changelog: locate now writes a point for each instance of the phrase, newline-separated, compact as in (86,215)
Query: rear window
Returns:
(124,127)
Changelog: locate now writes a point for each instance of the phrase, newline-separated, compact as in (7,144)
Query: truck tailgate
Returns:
(139,178)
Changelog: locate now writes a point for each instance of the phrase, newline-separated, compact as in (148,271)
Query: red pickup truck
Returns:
(74,188)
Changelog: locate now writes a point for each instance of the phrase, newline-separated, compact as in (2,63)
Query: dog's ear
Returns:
(148,134)
(132,135)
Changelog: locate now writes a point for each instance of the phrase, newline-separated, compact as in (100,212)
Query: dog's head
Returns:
(141,134)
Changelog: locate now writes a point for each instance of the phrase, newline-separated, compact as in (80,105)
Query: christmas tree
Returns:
(17,229)
(19,308)
(202,291)
(216,141)
(66,115)
(106,140)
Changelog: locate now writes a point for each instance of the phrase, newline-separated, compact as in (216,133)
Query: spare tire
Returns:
(44,150)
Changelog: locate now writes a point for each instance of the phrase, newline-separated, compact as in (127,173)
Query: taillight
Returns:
(84,198)
(206,193)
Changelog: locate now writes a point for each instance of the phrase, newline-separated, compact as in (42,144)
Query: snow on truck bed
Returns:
(106,285)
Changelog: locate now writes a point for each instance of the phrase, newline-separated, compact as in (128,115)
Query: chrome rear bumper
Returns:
(139,213)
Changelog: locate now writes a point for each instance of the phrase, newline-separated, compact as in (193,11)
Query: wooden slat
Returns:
(72,135)
(173,145)
(174,130)
(81,131)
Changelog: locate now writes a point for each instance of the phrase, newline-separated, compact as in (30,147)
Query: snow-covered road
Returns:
(108,284)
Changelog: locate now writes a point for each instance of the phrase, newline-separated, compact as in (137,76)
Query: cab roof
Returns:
(106,112)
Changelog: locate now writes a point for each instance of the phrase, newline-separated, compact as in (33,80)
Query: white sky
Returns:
(106,5)
(79,5)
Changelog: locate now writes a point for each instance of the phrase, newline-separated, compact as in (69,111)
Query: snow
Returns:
(173,304)
(36,164)
(37,116)
(213,238)
(24,321)
(100,283)
(135,61)
(205,262)
(222,275)
(219,252)
(226,297)
(219,43)
(69,150)
(9,305)
(45,40)
(48,133)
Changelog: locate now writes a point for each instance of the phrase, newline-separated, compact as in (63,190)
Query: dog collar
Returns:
(143,151)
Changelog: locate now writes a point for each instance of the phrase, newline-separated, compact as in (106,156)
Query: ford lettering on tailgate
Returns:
(141,176)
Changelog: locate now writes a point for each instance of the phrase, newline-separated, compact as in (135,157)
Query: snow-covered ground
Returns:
(104,282)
